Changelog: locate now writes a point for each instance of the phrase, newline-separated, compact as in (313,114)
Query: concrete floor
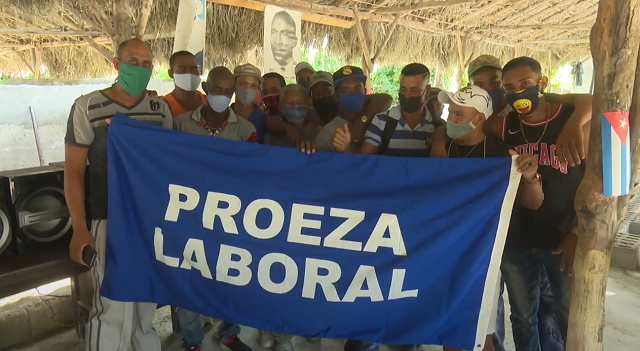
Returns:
(622,332)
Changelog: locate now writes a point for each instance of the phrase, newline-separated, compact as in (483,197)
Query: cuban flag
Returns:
(616,154)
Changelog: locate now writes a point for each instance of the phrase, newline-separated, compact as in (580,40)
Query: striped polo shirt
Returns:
(88,125)
(404,141)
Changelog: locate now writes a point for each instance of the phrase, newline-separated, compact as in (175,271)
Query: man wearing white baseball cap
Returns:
(469,108)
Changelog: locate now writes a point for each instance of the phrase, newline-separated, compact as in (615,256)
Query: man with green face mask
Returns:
(113,325)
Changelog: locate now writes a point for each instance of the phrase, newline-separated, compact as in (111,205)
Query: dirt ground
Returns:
(622,332)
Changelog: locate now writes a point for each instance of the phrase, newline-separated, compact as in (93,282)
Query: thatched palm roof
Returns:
(553,31)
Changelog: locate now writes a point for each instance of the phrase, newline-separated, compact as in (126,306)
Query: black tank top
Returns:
(541,228)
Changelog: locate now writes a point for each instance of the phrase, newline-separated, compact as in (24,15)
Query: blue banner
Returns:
(382,249)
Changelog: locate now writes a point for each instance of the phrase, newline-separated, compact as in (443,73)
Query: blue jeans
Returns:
(550,339)
(191,329)
(522,270)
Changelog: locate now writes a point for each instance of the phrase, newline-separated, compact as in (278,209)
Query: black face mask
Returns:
(326,106)
(410,104)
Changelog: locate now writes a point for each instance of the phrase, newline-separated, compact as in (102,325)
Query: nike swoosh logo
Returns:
(516,132)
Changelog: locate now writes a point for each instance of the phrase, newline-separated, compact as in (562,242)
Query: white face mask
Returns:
(187,81)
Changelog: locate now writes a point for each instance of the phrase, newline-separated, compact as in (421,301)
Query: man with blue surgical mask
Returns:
(293,111)
(349,91)
(215,119)
(247,87)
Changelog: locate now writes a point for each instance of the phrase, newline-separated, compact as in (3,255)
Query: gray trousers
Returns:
(114,325)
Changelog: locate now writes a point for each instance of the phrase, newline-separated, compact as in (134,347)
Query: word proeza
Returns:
(227,208)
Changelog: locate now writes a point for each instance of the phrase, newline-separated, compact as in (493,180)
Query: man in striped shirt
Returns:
(405,130)
(113,325)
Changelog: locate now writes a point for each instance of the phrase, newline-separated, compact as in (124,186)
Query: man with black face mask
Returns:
(334,107)
(325,106)
(405,130)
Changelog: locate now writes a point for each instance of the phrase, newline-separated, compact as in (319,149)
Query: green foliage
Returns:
(386,79)
(161,73)
(321,60)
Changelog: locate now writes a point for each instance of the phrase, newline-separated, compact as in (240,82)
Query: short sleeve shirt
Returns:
(404,141)
(88,125)
(236,128)
(324,139)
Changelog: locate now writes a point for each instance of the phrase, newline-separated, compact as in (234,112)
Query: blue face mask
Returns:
(352,102)
(218,103)
(455,130)
(295,114)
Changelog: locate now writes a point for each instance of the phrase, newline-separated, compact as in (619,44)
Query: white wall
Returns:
(52,101)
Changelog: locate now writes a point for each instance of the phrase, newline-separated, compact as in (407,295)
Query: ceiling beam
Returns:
(423,6)
(308,16)
(68,33)
(538,27)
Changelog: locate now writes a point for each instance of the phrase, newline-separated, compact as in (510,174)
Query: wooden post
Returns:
(121,23)
(460,41)
(102,51)
(614,40)
(390,30)
(36,60)
(437,77)
(143,18)
(366,53)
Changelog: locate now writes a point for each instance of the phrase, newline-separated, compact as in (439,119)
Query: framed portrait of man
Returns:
(282,37)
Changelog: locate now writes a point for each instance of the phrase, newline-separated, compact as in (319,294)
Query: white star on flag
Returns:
(623,123)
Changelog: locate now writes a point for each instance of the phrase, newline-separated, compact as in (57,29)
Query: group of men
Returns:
(502,112)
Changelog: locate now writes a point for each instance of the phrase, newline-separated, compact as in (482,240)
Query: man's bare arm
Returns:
(376,103)
(75,164)
(438,145)
(570,145)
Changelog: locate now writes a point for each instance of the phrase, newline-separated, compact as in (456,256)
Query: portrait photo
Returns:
(282,37)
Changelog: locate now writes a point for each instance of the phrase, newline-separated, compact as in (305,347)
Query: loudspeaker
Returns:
(6,232)
(39,207)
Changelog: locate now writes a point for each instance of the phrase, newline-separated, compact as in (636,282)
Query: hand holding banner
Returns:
(390,250)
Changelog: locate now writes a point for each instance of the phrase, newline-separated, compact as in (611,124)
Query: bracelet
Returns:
(535,179)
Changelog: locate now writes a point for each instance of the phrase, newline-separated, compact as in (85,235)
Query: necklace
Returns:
(484,151)
(546,124)
(210,130)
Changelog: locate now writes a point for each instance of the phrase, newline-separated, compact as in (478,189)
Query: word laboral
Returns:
(317,272)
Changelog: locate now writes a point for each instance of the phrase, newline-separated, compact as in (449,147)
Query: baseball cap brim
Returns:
(445,97)
(362,77)
(302,66)
(321,80)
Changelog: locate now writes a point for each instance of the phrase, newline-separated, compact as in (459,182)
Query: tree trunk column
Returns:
(121,23)
(614,40)
(460,41)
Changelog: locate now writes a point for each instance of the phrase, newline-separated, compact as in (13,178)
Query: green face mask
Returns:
(133,79)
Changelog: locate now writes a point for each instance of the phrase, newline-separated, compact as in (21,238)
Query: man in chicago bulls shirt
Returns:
(539,238)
